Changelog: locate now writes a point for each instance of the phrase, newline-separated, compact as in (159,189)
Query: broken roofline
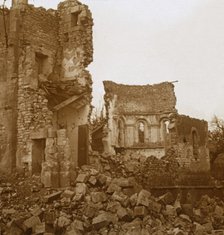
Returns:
(147,99)
(111,84)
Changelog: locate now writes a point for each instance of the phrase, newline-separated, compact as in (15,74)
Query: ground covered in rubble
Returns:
(110,196)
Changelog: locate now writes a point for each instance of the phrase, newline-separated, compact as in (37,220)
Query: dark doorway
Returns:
(38,155)
(83,145)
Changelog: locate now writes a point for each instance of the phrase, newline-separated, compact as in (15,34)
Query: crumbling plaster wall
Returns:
(75,36)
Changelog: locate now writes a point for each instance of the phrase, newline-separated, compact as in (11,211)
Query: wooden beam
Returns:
(67,102)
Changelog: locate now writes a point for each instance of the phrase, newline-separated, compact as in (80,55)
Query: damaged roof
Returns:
(136,99)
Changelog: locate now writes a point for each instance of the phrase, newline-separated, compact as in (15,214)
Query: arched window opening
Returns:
(141,132)
(166,123)
(195,144)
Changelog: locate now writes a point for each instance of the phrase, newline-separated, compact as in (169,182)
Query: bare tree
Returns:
(216,138)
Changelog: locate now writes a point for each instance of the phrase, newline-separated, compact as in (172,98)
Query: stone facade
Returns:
(144,120)
(45,87)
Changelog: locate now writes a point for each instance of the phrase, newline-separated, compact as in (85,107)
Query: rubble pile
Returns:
(148,171)
(99,202)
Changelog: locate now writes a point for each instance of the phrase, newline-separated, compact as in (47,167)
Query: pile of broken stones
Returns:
(102,202)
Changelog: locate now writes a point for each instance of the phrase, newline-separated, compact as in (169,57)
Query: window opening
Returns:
(141,132)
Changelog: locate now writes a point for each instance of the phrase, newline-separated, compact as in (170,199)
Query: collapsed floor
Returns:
(110,196)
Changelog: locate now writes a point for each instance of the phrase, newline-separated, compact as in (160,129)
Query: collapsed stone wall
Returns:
(47,50)
(37,38)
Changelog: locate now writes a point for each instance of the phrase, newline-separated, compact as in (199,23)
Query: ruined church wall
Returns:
(195,158)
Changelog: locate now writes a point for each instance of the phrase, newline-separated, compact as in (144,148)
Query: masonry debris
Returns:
(104,199)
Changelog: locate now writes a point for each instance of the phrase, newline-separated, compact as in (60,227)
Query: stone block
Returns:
(39,228)
(208,227)
(36,211)
(49,217)
(100,221)
(90,211)
(82,178)
(39,134)
(199,229)
(68,194)
(78,225)
(218,232)
(133,199)
(119,196)
(76,9)
(98,197)
(46,176)
(112,188)
(123,182)
(143,198)
(14,229)
(170,210)
(53,196)
(167,198)
(129,191)
(102,179)
(64,179)
(32,222)
(80,188)
(73,232)
(187,209)
(55,179)
(123,214)
(92,180)
(140,211)
(218,211)
(154,206)
(51,133)
(63,222)
(113,206)
(6,212)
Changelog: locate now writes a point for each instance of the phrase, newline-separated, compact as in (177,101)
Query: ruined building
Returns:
(45,89)
(144,120)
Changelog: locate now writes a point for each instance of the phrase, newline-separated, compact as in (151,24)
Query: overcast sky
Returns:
(151,41)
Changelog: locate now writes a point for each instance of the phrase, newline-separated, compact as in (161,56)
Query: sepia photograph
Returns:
(112,117)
